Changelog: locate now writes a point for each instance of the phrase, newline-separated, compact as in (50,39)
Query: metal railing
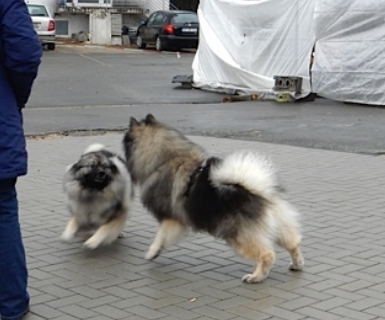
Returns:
(107,3)
(128,3)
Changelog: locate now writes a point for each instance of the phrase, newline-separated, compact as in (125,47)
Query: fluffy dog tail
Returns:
(248,169)
(94,148)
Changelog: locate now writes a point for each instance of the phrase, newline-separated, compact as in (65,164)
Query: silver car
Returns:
(44,24)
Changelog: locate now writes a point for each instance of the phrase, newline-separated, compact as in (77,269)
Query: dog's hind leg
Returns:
(70,230)
(258,249)
(288,234)
(108,232)
(170,231)
(290,239)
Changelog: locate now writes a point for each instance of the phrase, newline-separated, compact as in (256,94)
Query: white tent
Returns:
(244,44)
(350,50)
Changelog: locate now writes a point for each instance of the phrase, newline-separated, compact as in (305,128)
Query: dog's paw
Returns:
(251,278)
(298,266)
(91,243)
(152,253)
(66,236)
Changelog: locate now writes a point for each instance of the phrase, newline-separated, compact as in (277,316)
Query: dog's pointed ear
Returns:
(150,119)
(133,122)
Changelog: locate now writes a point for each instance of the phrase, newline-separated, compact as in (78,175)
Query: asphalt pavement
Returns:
(95,89)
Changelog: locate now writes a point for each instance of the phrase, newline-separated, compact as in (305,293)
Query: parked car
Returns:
(130,32)
(44,24)
(174,29)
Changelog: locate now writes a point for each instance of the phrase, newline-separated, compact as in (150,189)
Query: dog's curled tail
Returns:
(95,147)
(249,169)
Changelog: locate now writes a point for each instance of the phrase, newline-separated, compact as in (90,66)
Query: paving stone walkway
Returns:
(341,198)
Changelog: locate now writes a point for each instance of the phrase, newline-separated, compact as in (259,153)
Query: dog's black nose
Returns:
(101,174)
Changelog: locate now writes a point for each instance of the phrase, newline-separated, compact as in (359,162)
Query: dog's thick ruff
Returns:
(235,198)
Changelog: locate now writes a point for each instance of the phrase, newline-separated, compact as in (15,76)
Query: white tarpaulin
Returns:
(350,50)
(244,44)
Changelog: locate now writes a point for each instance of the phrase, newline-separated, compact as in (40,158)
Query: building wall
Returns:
(100,27)
(153,5)
(132,20)
(76,23)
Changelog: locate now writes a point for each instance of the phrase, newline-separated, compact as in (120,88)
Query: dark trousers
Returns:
(14,298)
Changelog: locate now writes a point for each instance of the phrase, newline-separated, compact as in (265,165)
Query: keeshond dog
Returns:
(235,198)
(98,191)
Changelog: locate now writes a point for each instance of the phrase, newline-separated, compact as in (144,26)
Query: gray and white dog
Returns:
(98,192)
(235,198)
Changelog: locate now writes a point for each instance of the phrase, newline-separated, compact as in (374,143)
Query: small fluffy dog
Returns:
(98,190)
(236,198)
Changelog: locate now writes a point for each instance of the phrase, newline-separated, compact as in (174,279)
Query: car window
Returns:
(182,18)
(159,19)
(151,18)
(37,11)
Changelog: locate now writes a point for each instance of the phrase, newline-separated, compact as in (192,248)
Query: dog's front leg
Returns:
(170,231)
(108,232)
(70,230)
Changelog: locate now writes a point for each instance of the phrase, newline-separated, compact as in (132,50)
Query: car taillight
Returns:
(169,29)
(51,25)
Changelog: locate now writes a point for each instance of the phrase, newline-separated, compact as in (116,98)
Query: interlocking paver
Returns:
(93,303)
(42,298)
(213,313)
(126,303)
(318,314)
(247,313)
(283,313)
(68,301)
(46,311)
(193,302)
(178,312)
(372,293)
(365,304)
(77,311)
(147,312)
(166,302)
(331,304)
(119,292)
(339,195)
(336,292)
(376,311)
(353,314)
(68,317)
(298,303)
(112,312)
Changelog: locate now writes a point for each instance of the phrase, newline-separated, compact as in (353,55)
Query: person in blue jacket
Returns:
(20,53)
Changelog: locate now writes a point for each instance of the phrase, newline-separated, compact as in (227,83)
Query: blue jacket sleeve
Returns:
(22,49)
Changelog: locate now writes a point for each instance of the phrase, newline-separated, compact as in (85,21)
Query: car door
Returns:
(145,28)
(156,26)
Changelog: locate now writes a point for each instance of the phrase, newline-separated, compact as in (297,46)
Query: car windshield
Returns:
(184,18)
(37,11)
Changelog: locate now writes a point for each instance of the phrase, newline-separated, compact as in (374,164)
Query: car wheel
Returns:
(51,46)
(159,45)
(139,42)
